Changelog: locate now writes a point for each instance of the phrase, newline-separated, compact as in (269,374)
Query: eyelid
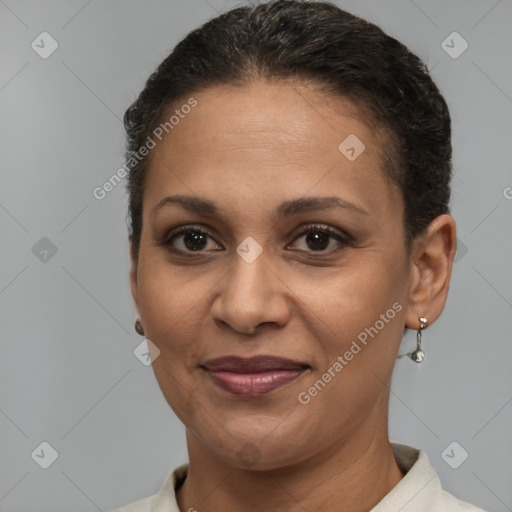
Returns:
(334,232)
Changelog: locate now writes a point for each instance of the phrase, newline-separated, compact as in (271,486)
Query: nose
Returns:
(251,295)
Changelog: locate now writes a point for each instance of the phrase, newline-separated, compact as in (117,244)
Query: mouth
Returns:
(254,376)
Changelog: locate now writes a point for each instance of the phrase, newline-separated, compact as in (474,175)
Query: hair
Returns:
(318,43)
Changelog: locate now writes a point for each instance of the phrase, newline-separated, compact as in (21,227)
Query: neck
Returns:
(353,476)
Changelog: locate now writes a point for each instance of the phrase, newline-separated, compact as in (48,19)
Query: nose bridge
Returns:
(248,281)
(250,294)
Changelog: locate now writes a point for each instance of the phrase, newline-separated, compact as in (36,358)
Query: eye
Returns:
(190,240)
(318,238)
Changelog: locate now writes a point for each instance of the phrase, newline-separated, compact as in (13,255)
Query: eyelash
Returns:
(316,228)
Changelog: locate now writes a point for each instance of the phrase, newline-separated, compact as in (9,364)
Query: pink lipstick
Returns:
(254,376)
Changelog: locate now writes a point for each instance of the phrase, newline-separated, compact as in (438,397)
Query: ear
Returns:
(134,286)
(432,260)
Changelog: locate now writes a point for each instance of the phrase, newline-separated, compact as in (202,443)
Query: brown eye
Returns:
(190,240)
(318,238)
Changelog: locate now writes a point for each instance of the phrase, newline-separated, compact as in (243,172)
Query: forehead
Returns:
(247,139)
(262,111)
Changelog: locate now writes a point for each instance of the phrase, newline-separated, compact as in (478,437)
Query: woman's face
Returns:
(256,166)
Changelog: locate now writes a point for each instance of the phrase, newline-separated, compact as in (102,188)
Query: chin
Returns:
(260,452)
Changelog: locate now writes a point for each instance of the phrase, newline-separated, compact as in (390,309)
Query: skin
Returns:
(248,150)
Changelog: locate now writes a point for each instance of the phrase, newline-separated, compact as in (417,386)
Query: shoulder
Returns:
(447,502)
(420,489)
(165,499)
(143,505)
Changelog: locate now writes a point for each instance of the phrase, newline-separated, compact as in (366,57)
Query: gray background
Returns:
(68,375)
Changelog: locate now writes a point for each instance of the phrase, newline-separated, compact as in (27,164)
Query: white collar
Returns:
(418,491)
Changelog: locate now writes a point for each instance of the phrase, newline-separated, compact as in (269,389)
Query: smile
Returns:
(253,384)
(254,376)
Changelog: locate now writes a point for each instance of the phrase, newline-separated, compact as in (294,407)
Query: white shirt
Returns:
(418,491)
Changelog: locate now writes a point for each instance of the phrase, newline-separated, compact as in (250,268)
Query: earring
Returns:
(138,327)
(418,355)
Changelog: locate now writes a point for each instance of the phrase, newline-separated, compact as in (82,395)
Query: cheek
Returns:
(172,305)
(361,318)
(354,297)
(173,310)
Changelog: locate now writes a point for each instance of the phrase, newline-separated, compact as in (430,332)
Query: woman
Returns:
(289,191)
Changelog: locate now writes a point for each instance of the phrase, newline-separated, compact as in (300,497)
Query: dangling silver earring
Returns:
(418,355)
(138,327)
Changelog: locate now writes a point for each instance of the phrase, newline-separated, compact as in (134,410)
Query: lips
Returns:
(253,376)
(252,364)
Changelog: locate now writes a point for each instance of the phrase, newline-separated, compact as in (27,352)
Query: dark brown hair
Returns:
(310,42)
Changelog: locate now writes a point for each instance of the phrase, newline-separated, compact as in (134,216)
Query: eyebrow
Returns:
(287,208)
